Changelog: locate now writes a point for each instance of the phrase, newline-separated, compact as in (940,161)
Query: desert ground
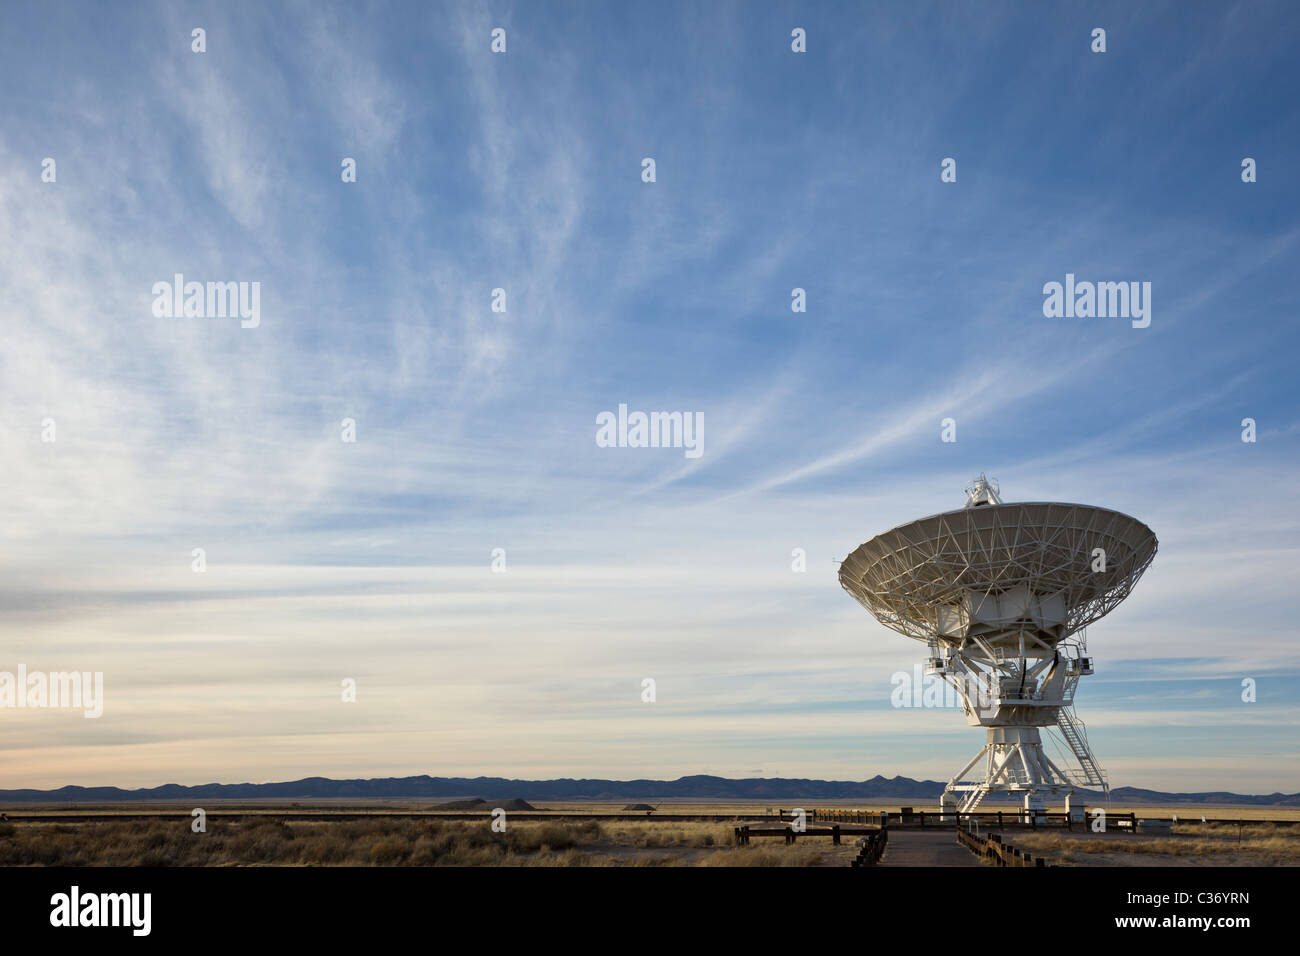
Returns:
(1259,844)
(381,841)
(662,808)
(419,833)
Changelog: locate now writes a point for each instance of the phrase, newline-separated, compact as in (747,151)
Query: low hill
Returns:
(478,804)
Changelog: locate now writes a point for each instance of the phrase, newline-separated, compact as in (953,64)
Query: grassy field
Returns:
(1189,845)
(741,810)
(276,841)
(272,833)
(396,842)
(1191,813)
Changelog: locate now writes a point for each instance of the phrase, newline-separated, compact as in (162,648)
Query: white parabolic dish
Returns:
(1000,572)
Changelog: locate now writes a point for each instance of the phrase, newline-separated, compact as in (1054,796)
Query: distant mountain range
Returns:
(695,788)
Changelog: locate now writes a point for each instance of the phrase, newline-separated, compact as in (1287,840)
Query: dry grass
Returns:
(434,841)
(1189,812)
(773,854)
(272,841)
(1189,845)
(667,834)
(387,842)
(665,812)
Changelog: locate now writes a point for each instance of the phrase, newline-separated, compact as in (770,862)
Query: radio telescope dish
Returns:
(998,592)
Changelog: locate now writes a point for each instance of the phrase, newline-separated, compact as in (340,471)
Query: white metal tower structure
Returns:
(1001,594)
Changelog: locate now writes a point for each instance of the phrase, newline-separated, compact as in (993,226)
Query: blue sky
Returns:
(475,429)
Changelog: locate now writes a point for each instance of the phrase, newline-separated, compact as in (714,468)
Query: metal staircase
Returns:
(1076,738)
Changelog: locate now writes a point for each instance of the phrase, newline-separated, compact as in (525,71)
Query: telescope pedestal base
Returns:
(1014,763)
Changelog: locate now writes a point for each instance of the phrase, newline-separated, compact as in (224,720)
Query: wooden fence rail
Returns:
(993,851)
(873,846)
(999,819)
(791,834)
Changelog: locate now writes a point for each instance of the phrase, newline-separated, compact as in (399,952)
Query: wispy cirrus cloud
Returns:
(371,559)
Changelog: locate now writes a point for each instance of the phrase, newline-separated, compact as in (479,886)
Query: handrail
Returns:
(873,847)
(993,851)
(1010,817)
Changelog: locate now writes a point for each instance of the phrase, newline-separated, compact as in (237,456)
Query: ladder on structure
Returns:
(1073,731)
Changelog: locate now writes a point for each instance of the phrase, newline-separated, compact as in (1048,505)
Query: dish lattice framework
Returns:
(926,578)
